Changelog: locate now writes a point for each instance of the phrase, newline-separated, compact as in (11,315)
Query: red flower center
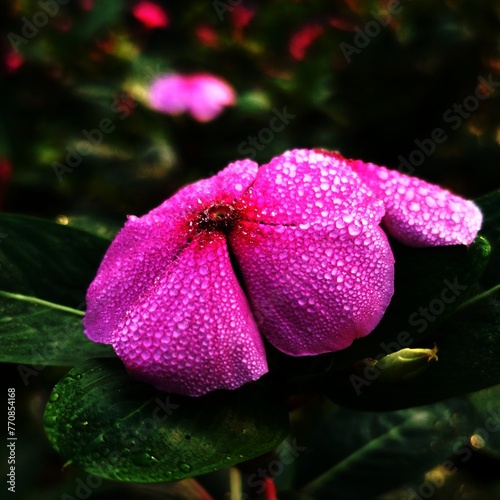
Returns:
(219,217)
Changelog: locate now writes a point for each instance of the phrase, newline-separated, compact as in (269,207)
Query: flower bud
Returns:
(405,364)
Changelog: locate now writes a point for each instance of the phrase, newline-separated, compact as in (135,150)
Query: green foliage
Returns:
(468,342)
(110,425)
(46,269)
(377,452)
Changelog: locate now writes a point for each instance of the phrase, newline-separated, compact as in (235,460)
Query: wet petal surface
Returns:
(191,331)
(419,213)
(314,290)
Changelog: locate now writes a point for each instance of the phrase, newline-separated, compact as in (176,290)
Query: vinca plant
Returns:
(240,259)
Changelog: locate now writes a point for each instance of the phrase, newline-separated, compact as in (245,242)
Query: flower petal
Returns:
(314,290)
(303,187)
(145,247)
(169,94)
(191,331)
(419,213)
(209,95)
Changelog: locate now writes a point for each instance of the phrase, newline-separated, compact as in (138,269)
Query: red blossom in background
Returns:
(303,38)
(314,269)
(13,61)
(241,16)
(5,176)
(151,14)
(208,36)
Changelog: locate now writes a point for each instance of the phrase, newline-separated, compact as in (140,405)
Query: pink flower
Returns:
(150,14)
(292,251)
(202,95)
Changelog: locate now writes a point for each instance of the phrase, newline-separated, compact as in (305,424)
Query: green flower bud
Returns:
(405,364)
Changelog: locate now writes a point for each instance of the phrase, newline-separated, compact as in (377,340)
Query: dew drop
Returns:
(182,325)
(143,459)
(54,396)
(353,230)
(50,421)
(184,467)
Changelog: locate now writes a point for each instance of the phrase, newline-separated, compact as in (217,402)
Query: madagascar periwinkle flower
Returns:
(292,251)
(202,95)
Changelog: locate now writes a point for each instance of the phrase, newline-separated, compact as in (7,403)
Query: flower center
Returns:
(217,218)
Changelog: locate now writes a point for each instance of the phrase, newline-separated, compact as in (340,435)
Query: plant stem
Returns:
(46,303)
(479,297)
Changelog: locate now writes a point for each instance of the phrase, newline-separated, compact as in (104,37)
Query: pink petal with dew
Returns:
(302,187)
(419,213)
(146,246)
(208,96)
(170,94)
(191,330)
(314,290)
(316,265)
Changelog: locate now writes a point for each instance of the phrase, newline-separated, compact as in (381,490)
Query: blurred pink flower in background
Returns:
(202,95)
(151,14)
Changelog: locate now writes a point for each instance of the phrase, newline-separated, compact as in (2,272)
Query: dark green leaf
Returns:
(377,452)
(487,404)
(469,360)
(46,260)
(469,342)
(43,261)
(422,276)
(39,335)
(490,206)
(104,421)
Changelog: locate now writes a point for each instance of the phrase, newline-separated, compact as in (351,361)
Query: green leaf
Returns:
(469,360)
(46,269)
(468,342)
(422,276)
(39,335)
(490,205)
(377,452)
(487,404)
(43,259)
(102,420)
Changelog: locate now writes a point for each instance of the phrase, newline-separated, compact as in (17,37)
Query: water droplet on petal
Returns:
(353,230)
